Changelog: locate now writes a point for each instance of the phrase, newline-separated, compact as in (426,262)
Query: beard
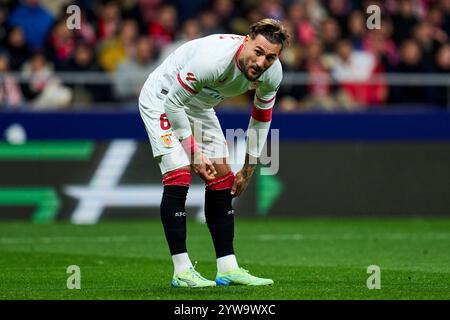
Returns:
(253,76)
(246,71)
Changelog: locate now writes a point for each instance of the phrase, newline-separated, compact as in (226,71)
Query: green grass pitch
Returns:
(307,258)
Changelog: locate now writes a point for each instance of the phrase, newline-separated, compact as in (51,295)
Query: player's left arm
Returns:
(258,129)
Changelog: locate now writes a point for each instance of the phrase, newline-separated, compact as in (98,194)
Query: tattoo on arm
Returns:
(249,166)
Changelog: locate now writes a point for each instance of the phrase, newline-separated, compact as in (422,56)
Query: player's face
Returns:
(257,56)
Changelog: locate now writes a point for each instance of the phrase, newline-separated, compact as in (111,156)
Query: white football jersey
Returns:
(201,73)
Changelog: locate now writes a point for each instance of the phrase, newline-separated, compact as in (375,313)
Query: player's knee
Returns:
(221,183)
(178,177)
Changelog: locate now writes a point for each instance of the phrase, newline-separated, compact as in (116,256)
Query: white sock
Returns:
(181,262)
(227,263)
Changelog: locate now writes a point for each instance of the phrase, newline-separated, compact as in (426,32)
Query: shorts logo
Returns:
(190,77)
(167,139)
(180,214)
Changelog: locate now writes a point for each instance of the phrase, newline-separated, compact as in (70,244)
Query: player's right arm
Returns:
(189,82)
(258,128)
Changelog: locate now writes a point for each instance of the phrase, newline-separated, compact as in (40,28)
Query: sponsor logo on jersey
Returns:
(190,77)
(213,93)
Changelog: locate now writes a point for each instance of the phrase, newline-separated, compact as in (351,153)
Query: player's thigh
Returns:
(166,149)
(208,133)
(175,160)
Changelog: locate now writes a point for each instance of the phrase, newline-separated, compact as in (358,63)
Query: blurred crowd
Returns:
(125,40)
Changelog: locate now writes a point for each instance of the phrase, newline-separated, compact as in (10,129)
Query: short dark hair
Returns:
(270,29)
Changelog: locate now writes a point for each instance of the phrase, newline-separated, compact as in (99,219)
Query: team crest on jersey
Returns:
(190,77)
(167,139)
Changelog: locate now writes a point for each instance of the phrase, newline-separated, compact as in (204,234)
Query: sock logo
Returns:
(231,212)
(180,214)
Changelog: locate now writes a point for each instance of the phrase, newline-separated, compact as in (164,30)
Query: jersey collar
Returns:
(236,57)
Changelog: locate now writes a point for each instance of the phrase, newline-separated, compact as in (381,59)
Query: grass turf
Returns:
(307,258)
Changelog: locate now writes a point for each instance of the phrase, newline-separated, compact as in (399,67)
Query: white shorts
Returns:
(166,148)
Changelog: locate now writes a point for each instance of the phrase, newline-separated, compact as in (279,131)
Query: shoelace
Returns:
(246,271)
(195,272)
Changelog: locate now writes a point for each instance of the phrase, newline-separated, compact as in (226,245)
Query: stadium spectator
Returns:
(445,6)
(440,94)
(109,20)
(86,32)
(44,90)
(84,60)
(436,18)
(319,89)
(35,21)
(162,30)
(10,92)
(291,57)
(357,29)
(305,32)
(61,43)
(272,9)
(190,30)
(188,9)
(149,9)
(209,22)
(423,35)
(315,11)
(330,35)
(379,42)
(133,71)
(55,7)
(410,63)
(224,9)
(17,48)
(3,29)
(339,10)
(353,69)
(114,50)
(404,21)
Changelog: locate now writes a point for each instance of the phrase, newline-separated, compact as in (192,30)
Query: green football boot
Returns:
(191,279)
(240,277)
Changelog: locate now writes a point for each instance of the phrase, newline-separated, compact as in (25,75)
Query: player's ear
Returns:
(247,37)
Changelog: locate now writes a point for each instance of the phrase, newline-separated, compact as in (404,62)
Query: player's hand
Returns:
(203,167)
(242,180)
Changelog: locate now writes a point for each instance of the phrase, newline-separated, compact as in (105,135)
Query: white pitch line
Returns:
(353,236)
(14,240)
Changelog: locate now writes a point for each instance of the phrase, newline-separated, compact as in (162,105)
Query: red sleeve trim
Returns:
(265,101)
(185,86)
(262,115)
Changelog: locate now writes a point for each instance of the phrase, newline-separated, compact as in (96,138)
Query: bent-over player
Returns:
(183,91)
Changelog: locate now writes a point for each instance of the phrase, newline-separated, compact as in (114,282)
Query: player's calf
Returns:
(173,216)
(219,216)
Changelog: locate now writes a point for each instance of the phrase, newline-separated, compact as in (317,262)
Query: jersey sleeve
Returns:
(261,117)
(189,81)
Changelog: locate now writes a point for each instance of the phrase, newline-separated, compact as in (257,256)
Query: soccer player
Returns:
(180,94)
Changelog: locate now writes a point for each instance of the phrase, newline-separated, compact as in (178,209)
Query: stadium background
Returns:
(371,142)
(363,114)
